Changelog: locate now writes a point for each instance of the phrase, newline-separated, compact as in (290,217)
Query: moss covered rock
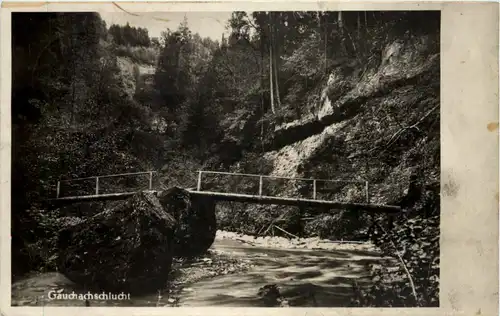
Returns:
(126,248)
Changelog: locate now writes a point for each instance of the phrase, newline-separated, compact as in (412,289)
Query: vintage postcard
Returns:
(249,157)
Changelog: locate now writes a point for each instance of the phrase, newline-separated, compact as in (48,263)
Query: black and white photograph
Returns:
(226,159)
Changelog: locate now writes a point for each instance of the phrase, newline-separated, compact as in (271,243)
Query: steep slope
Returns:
(385,110)
(377,122)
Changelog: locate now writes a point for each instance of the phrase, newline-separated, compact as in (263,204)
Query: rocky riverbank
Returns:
(232,257)
(39,288)
(296,243)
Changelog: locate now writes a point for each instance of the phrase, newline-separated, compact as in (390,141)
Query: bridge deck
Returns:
(234,197)
(92,198)
(297,202)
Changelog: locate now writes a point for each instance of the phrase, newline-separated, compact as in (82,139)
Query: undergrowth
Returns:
(411,277)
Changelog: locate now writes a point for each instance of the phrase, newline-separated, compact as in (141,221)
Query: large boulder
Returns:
(195,215)
(125,248)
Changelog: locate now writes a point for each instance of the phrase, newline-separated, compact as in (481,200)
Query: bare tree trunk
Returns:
(73,77)
(340,26)
(262,95)
(326,48)
(361,43)
(340,22)
(319,33)
(276,84)
(359,26)
(275,66)
(271,90)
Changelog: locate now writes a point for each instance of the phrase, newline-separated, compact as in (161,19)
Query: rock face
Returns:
(196,228)
(376,121)
(126,248)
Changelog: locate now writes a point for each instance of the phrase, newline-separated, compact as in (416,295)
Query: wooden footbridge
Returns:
(262,194)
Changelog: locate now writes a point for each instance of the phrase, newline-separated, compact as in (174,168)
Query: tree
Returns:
(173,73)
(129,36)
(71,115)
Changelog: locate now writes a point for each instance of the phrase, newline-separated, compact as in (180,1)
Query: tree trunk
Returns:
(340,23)
(73,77)
(340,26)
(271,90)
(319,33)
(275,66)
(359,26)
(326,48)
(262,93)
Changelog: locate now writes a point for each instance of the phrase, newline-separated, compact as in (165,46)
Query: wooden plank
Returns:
(233,197)
(90,198)
(218,196)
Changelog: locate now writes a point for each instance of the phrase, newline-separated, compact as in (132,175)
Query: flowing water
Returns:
(307,272)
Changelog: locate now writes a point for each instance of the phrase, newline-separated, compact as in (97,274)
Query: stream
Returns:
(307,272)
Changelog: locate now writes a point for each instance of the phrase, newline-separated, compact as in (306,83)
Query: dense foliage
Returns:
(129,35)
(70,113)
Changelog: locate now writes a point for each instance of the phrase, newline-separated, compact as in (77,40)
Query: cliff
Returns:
(376,121)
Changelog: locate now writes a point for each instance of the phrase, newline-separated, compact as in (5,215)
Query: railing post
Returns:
(198,187)
(260,186)
(96,185)
(367,192)
(150,180)
(58,191)
(314,189)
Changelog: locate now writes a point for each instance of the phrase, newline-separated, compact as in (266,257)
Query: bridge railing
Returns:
(261,178)
(97,181)
(255,187)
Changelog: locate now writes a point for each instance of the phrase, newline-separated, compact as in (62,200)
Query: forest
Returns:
(236,104)
(129,35)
